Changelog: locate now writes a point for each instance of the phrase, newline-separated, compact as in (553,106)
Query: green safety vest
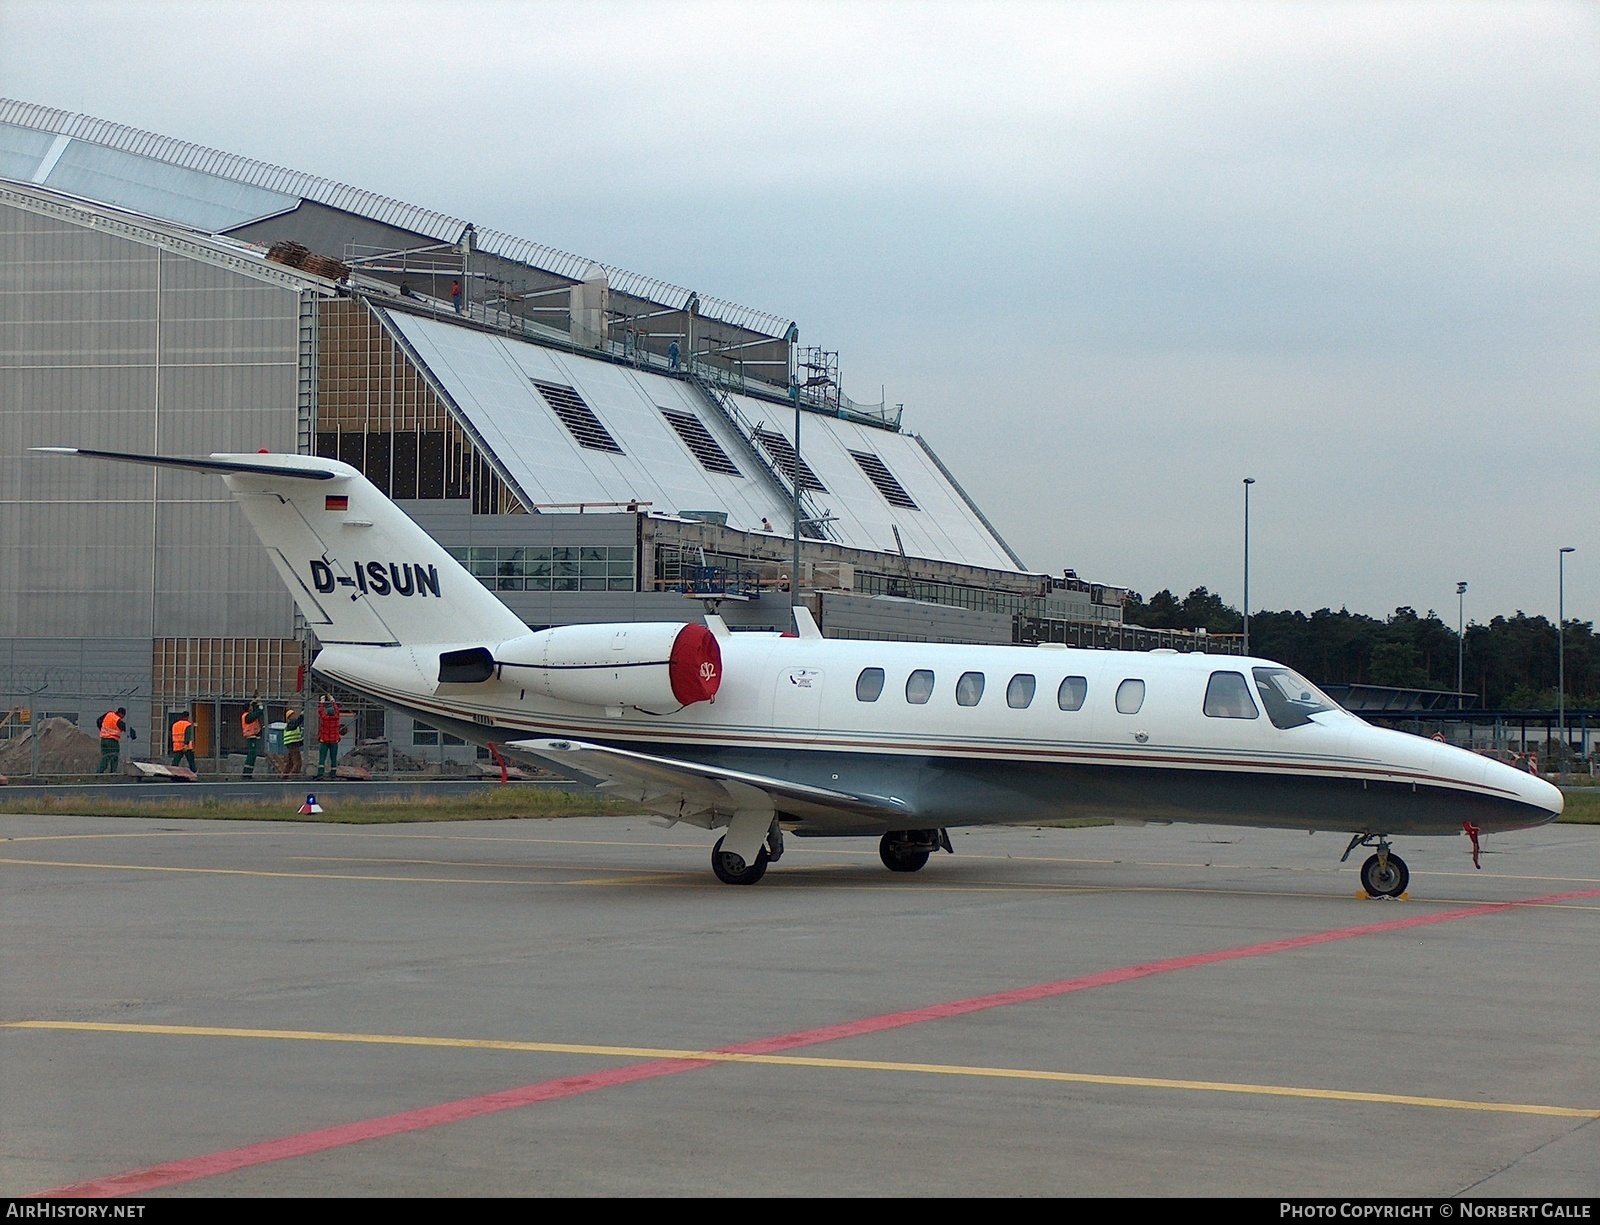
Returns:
(294,734)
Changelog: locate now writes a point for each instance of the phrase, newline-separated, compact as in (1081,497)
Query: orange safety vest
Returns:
(110,726)
(251,727)
(182,731)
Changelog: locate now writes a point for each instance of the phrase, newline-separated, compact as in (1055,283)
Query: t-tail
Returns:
(360,571)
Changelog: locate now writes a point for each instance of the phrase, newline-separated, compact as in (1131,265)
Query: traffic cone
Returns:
(310,807)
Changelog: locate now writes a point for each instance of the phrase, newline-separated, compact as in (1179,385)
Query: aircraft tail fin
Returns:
(360,571)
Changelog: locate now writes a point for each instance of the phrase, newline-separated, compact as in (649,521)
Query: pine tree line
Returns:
(1511,663)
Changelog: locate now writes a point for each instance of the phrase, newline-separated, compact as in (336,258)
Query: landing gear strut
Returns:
(906,850)
(1384,874)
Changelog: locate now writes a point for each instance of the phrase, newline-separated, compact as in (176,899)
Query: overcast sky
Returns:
(1113,258)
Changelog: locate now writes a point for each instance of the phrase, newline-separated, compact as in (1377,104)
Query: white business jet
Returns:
(759,734)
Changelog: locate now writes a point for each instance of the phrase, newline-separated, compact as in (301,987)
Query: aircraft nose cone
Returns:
(1529,789)
(1534,801)
(1534,790)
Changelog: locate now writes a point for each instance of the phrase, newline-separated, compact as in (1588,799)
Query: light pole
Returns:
(794,480)
(1561,650)
(1461,637)
(1248,481)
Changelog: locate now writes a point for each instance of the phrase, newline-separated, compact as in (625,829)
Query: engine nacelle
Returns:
(657,666)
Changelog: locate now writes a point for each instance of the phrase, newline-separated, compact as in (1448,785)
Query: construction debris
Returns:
(63,749)
(492,771)
(167,774)
(374,755)
(298,255)
(291,254)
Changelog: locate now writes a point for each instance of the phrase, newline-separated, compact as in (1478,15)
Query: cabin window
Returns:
(919,687)
(1072,692)
(1130,696)
(1019,693)
(869,684)
(1228,697)
(969,689)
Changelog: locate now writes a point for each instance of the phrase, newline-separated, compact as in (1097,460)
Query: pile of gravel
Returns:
(64,748)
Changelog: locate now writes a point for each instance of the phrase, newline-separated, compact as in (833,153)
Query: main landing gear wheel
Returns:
(731,870)
(1385,875)
(905,850)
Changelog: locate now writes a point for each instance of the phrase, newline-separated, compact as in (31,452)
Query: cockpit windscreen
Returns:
(1289,698)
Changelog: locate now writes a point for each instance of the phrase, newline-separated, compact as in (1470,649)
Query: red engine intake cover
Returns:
(695,665)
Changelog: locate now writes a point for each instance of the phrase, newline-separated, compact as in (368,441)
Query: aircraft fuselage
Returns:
(761,733)
(795,708)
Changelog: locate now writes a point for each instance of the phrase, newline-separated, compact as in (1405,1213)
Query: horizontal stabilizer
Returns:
(359,570)
(302,467)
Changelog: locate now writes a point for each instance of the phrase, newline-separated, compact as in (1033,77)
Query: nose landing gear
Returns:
(1384,874)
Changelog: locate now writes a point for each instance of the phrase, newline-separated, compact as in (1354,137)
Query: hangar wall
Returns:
(141,313)
(115,338)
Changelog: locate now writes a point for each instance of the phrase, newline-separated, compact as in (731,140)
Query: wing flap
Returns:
(709,795)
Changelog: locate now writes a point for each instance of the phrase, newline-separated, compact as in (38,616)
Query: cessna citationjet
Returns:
(760,734)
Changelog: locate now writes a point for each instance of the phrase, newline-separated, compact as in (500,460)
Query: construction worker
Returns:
(250,724)
(294,735)
(183,741)
(329,733)
(112,724)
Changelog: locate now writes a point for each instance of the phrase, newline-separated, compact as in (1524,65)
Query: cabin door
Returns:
(797,702)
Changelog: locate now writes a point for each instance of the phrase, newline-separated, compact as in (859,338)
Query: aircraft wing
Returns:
(708,796)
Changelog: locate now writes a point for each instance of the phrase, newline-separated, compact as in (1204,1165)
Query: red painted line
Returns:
(1107,978)
(138,1182)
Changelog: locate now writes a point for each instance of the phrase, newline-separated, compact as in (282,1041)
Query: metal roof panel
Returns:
(492,380)
(206,198)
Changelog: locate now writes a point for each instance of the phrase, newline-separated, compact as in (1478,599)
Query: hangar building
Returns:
(593,444)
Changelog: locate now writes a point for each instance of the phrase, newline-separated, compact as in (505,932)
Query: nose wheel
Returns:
(1384,874)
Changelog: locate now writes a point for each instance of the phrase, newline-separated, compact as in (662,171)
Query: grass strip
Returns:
(1583,806)
(500,803)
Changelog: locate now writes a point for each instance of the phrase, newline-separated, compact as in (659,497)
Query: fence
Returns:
(49,719)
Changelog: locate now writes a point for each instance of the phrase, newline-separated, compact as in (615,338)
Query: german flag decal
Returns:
(336,501)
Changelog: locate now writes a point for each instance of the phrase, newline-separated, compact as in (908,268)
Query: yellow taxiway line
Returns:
(808,1061)
(685,878)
